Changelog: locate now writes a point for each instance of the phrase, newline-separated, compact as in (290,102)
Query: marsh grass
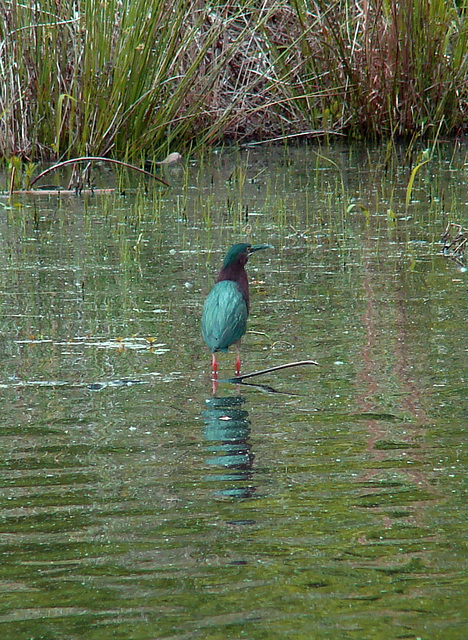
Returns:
(140,78)
(375,68)
(116,77)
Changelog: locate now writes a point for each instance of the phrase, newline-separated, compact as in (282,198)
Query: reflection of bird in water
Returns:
(226,309)
(227,431)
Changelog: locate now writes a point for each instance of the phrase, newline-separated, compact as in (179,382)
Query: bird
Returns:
(226,307)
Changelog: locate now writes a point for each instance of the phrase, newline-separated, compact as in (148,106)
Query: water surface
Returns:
(317,502)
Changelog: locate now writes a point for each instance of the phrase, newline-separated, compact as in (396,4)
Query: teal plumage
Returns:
(225,314)
(226,308)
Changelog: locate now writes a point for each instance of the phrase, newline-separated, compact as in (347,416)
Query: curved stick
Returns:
(279,366)
(96,159)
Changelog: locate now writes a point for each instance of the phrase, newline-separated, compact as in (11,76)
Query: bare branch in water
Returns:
(277,368)
(96,159)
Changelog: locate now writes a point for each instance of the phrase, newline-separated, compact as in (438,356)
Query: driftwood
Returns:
(96,159)
(244,376)
(57,192)
(171,159)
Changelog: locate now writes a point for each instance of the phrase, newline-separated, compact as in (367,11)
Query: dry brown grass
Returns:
(112,78)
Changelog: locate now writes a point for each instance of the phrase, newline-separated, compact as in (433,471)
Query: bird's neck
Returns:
(237,274)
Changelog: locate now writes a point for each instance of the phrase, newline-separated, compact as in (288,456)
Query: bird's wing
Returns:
(225,314)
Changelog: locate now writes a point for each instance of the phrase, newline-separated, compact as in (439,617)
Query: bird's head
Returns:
(240,253)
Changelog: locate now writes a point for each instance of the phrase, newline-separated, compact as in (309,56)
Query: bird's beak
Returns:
(258,247)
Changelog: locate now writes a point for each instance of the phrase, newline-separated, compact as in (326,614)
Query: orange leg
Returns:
(214,373)
(238,361)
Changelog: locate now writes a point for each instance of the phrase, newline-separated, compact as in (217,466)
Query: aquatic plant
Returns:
(95,77)
(100,78)
(377,68)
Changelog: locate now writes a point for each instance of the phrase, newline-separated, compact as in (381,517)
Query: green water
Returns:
(313,503)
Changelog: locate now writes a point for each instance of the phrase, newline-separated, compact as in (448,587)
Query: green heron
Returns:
(226,309)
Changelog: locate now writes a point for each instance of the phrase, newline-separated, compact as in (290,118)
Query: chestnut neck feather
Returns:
(237,274)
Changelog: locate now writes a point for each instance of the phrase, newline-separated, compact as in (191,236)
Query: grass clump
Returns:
(141,77)
(121,76)
(375,68)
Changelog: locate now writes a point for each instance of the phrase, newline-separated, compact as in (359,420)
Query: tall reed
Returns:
(139,77)
(121,76)
(373,68)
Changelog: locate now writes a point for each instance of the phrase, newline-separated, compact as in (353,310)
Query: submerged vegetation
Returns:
(132,78)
